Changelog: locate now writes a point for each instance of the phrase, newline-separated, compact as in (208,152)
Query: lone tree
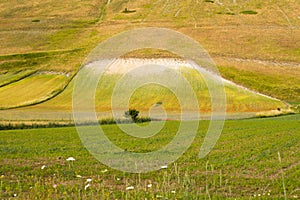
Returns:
(133,113)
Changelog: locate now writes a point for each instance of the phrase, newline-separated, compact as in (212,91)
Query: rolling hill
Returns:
(44,43)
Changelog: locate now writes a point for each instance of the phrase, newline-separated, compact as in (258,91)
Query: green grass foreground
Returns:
(254,158)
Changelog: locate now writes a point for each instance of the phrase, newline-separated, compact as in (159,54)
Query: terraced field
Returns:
(31,90)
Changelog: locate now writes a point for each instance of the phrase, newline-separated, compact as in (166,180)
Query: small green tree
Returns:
(133,113)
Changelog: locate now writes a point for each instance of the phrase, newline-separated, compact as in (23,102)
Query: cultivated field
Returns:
(254,158)
(255,46)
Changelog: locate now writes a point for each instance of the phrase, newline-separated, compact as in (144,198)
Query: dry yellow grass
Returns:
(271,34)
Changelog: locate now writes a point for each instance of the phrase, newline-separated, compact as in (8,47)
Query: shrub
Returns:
(133,113)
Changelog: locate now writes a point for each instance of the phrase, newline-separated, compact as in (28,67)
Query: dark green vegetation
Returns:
(252,158)
(133,114)
(249,12)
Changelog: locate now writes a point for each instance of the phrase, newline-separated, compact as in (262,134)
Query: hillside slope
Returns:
(253,42)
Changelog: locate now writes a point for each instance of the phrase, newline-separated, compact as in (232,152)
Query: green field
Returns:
(244,164)
(255,46)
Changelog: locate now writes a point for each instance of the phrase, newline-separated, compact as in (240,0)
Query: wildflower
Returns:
(259,195)
(164,167)
(78,176)
(70,159)
(43,167)
(149,185)
(173,192)
(103,171)
(54,186)
(269,194)
(87,186)
(159,196)
(15,195)
(130,188)
(88,180)
(118,179)
(2,176)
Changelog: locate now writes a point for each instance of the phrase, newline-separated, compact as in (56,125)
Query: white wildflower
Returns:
(173,192)
(43,167)
(87,186)
(130,188)
(54,186)
(70,159)
(15,195)
(88,180)
(103,171)
(149,185)
(164,167)
(78,176)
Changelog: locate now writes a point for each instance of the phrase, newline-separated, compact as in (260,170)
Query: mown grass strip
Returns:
(31,55)
(17,77)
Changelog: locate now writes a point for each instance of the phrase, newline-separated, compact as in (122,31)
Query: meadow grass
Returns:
(238,99)
(10,77)
(32,89)
(244,164)
(280,82)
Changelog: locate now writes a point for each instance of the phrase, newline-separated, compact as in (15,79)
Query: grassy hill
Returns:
(254,43)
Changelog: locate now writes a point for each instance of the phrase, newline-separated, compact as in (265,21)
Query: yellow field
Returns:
(30,90)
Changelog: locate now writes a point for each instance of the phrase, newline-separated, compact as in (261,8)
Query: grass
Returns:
(248,12)
(276,81)
(33,89)
(10,125)
(10,77)
(256,158)
(238,99)
(79,26)
(275,113)
(235,169)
